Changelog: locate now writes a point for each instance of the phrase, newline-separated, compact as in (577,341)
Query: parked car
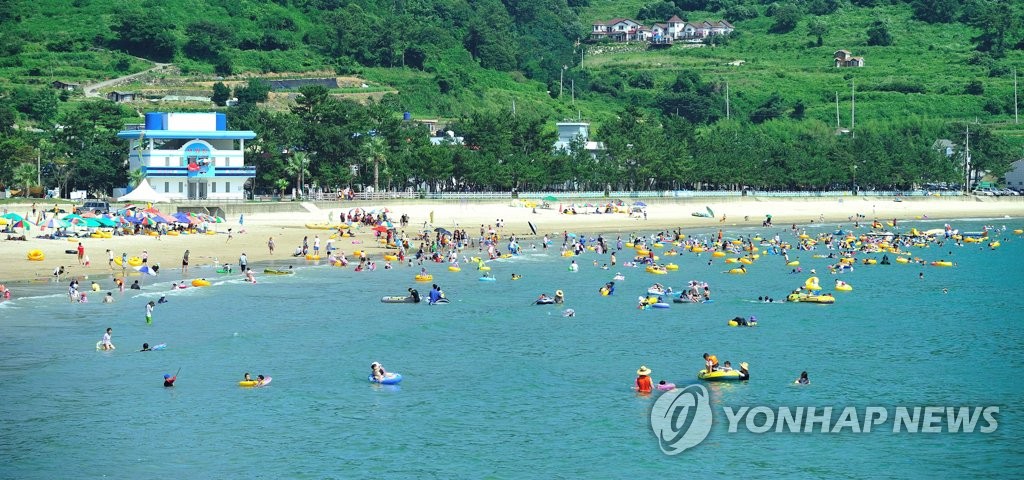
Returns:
(1008,192)
(99,207)
(984,192)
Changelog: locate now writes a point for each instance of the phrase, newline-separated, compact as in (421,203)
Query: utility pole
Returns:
(838,126)
(573,90)
(853,106)
(727,100)
(1015,119)
(967,161)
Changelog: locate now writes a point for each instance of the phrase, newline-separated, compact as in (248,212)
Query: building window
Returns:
(181,187)
(167,187)
(213,187)
(167,161)
(227,187)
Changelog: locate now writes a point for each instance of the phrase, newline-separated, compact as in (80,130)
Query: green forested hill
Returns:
(931,67)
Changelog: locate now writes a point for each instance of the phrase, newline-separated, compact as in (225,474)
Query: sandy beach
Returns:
(288,229)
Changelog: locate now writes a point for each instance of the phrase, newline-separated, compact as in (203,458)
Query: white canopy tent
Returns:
(143,193)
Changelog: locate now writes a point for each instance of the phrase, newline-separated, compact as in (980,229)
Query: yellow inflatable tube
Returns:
(36,255)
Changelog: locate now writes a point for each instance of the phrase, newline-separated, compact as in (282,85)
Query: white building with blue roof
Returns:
(190,156)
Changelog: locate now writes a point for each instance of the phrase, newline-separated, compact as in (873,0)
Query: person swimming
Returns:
(803,380)
(145,348)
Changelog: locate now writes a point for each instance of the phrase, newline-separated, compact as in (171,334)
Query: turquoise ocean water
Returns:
(497,387)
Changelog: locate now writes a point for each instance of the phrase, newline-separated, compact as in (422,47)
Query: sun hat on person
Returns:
(744,365)
(643,370)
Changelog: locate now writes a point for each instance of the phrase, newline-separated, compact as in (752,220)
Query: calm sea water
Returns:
(497,387)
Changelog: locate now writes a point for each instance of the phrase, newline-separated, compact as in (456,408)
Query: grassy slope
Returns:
(933,56)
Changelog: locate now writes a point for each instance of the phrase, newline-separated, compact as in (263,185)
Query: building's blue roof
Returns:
(176,134)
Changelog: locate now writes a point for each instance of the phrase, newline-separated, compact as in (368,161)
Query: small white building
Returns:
(190,156)
(1015,176)
(570,131)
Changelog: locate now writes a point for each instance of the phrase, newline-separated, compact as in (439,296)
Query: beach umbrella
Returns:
(145,269)
(180,217)
(354,211)
(218,219)
(157,214)
(550,198)
(132,219)
(14,216)
(241,219)
(149,222)
(639,204)
(710,212)
(380,228)
(105,222)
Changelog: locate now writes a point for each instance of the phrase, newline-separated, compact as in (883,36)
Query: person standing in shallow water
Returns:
(643,379)
(184,263)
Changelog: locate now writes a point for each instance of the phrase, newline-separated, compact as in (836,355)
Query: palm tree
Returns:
(375,150)
(295,164)
(25,176)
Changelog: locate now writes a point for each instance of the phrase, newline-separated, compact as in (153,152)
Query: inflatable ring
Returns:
(200,282)
(568,254)
(794,263)
(558,293)
(942,264)
(357,253)
(312,257)
(454,269)
(71,251)
(671,266)
(483,268)
(846,287)
(390,258)
(716,254)
(135,261)
(738,271)
(424,278)
(37,255)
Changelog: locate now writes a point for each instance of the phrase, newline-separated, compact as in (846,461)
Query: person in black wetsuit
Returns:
(415,295)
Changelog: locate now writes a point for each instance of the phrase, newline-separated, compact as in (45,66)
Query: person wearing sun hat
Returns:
(744,372)
(643,379)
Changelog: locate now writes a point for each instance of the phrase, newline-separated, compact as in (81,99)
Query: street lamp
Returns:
(855,179)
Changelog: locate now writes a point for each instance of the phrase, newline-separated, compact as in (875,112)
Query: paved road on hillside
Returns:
(93,90)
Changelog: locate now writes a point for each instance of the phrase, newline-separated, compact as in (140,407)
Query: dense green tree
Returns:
(255,90)
(997,20)
(935,11)
(208,39)
(146,34)
(87,144)
(878,34)
(787,16)
(659,11)
(818,27)
(221,94)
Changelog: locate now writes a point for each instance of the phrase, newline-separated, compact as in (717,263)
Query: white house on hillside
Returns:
(625,30)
